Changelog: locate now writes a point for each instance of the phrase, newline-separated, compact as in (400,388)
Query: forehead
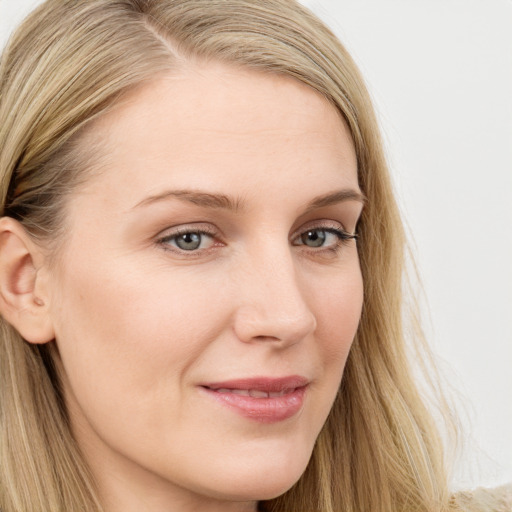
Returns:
(214,125)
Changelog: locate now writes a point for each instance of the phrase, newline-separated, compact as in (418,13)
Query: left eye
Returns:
(322,237)
(189,240)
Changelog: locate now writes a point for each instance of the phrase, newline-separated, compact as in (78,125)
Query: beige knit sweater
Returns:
(485,500)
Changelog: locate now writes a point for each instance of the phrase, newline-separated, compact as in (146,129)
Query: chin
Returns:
(257,480)
(259,488)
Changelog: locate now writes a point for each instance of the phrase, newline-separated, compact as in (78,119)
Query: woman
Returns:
(201,265)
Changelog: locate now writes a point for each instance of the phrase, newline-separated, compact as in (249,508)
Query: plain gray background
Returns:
(440,72)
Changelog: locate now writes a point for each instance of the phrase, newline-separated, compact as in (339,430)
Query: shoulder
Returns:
(485,500)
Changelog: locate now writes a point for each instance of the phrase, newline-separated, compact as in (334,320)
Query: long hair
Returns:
(67,65)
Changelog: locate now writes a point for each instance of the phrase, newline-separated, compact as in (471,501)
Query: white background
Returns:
(440,72)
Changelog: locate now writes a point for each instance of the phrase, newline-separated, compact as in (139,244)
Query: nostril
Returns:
(266,338)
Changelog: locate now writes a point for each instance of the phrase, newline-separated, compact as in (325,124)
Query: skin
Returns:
(140,324)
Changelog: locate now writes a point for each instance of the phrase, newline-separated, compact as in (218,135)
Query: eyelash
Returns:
(343,238)
(163,242)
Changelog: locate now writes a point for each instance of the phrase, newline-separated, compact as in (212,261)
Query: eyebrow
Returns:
(336,197)
(204,199)
(224,202)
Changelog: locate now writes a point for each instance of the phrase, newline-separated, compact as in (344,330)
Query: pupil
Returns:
(314,238)
(189,241)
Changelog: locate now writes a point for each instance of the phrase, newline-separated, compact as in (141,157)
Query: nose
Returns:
(271,303)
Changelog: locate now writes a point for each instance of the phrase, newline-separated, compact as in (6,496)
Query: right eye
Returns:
(187,240)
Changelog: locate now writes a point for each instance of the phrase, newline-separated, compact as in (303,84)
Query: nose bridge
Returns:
(272,305)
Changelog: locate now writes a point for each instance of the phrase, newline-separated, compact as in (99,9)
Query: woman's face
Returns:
(207,295)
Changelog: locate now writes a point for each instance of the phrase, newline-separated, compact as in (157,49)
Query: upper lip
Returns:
(267,384)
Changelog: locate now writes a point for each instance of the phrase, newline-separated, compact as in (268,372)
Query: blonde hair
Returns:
(67,65)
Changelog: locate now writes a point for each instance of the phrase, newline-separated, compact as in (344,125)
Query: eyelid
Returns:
(322,224)
(168,234)
(334,228)
(193,227)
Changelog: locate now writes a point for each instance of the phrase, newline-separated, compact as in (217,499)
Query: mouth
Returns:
(261,399)
(256,393)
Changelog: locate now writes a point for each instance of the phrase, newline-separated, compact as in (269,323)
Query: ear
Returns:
(24,298)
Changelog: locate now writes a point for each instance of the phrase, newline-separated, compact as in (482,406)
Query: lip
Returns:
(284,396)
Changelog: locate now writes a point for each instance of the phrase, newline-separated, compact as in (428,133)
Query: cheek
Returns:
(129,342)
(131,334)
(338,320)
(337,305)
(338,312)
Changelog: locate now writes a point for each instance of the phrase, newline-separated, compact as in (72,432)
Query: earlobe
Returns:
(23,300)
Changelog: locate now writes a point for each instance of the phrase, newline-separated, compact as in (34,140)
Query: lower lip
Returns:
(263,410)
